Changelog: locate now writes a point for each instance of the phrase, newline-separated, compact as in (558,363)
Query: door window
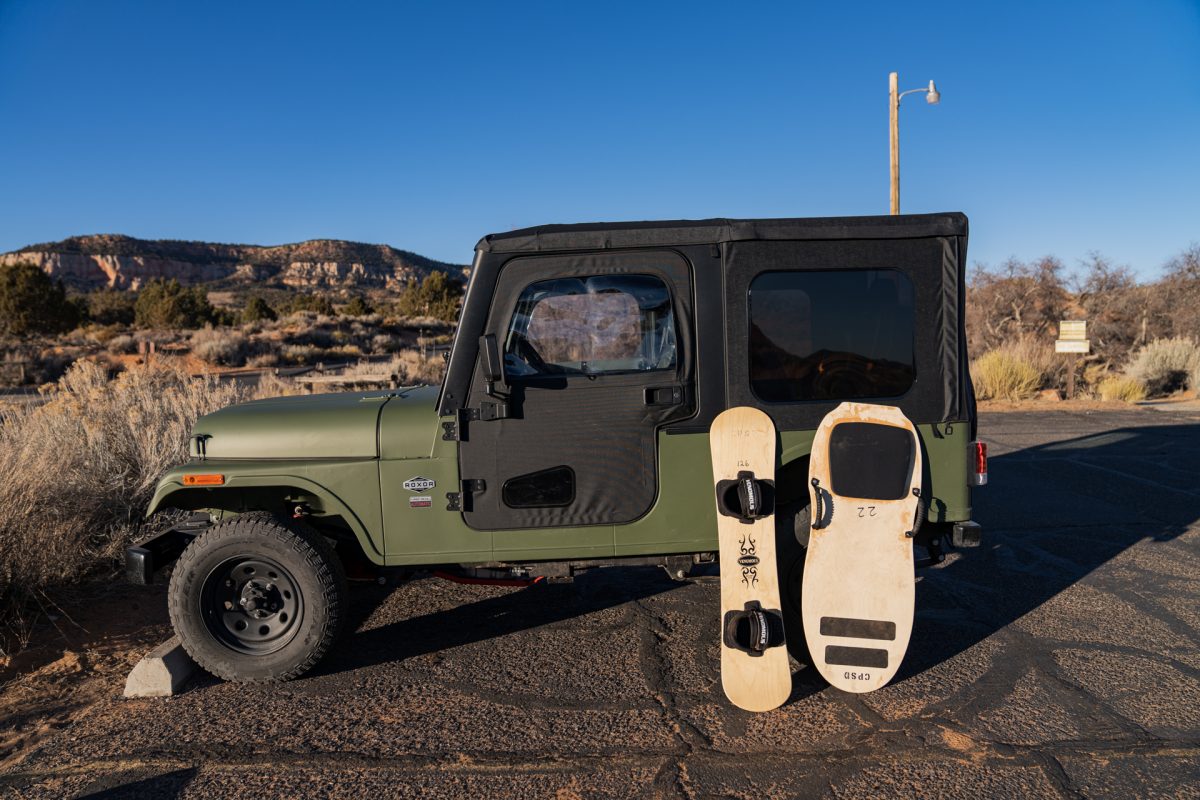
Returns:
(590,326)
(831,335)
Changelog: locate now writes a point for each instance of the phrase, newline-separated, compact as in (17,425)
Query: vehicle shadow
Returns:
(488,618)
(1052,515)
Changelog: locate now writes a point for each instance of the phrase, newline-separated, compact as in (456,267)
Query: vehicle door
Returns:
(596,358)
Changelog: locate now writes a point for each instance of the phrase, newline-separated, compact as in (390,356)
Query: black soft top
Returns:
(612,235)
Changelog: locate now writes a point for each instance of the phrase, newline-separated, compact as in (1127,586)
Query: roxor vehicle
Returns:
(571,430)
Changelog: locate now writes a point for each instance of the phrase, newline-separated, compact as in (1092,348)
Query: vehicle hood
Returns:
(341,425)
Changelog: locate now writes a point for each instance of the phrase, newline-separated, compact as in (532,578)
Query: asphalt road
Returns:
(1061,659)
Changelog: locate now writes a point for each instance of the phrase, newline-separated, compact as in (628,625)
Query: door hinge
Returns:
(461,500)
(488,411)
(456,431)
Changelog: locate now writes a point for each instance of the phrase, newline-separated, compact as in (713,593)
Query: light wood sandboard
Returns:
(754,662)
(859,585)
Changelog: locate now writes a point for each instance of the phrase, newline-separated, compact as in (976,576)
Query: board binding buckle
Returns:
(753,630)
(747,498)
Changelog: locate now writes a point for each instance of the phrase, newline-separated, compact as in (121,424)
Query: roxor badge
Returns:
(419,484)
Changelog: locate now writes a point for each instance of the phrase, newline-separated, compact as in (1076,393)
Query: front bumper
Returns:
(153,553)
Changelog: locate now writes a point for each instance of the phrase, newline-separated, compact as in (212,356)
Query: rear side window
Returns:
(590,326)
(831,335)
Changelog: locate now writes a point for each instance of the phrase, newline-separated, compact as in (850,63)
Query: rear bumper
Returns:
(150,555)
(967,533)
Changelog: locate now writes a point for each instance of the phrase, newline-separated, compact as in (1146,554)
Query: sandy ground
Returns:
(1061,659)
(85,641)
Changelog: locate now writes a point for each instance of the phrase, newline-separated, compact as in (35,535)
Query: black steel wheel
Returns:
(251,604)
(258,598)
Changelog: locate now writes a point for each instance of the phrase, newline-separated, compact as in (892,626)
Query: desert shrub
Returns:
(121,345)
(101,334)
(311,302)
(357,307)
(271,385)
(32,303)
(1003,374)
(1127,390)
(263,360)
(30,364)
(384,343)
(110,307)
(408,367)
(318,337)
(1165,365)
(168,304)
(300,354)
(77,472)
(257,310)
(220,346)
(413,368)
(436,296)
(226,317)
(1173,305)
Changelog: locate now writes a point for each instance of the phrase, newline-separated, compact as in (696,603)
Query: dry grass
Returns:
(122,345)
(408,366)
(77,472)
(1127,390)
(271,385)
(1006,374)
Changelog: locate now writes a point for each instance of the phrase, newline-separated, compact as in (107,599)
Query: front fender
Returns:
(346,489)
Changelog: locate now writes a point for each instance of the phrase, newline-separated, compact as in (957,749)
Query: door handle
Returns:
(664,395)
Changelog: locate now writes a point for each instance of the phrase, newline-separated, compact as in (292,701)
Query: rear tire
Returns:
(258,599)
(792,527)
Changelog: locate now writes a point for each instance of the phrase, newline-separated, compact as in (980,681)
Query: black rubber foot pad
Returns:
(858,628)
(856,656)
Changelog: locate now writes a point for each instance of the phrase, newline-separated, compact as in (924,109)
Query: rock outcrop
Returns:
(122,262)
(116,272)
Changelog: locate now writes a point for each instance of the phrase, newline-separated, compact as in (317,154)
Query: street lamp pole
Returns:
(932,96)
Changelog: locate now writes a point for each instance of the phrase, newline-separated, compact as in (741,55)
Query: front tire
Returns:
(258,599)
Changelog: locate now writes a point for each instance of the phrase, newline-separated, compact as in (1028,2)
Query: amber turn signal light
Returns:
(203,480)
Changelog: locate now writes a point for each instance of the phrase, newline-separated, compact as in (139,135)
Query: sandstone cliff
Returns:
(123,262)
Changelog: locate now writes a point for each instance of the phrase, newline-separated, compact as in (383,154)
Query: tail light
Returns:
(978,471)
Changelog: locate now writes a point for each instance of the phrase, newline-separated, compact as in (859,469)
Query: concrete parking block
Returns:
(161,672)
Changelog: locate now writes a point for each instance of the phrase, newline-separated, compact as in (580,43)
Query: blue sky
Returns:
(1065,127)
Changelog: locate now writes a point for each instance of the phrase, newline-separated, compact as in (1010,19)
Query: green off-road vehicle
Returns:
(571,430)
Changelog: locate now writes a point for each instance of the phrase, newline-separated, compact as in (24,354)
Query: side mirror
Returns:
(493,366)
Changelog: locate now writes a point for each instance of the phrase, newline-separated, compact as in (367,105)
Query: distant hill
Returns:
(123,262)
